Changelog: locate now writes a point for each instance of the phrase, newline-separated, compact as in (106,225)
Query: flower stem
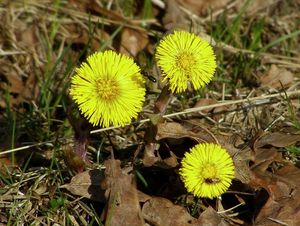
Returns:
(162,101)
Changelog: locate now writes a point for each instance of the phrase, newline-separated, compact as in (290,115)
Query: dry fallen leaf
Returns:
(133,41)
(210,217)
(15,83)
(20,71)
(277,139)
(202,7)
(123,204)
(264,157)
(174,17)
(255,5)
(76,35)
(73,160)
(88,184)
(181,130)
(6,166)
(283,202)
(20,91)
(281,183)
(277,78)
(26,36)
(162,212)
(150,157)
(205,102)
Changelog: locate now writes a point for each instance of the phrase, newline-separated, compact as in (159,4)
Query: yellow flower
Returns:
(185,57)
(207,171)
(108,88)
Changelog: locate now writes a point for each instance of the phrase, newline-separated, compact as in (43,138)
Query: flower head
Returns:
(185,57)
(108,89)
(207,171)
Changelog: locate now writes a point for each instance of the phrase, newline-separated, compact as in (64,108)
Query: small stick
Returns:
(187,111)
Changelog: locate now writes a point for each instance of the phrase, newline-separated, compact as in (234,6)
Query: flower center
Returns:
(185,62)
(210,174)
(107,89)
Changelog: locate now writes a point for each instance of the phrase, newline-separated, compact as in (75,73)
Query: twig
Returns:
(159,3)
(277,221)
(187,111)
(230,209)
(233,102)
(13,52)
(197,109)
(24,147)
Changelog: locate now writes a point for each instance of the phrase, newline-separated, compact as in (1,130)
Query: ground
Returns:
(58,169)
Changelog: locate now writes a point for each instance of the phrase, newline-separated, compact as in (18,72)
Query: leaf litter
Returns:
(142,187)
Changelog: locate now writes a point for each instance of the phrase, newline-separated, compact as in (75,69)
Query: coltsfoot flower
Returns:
(207,170)
(108,88)
(184,57)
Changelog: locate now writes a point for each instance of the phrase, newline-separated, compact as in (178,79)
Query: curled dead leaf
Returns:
(72,159)
(176,130)
(150,157)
